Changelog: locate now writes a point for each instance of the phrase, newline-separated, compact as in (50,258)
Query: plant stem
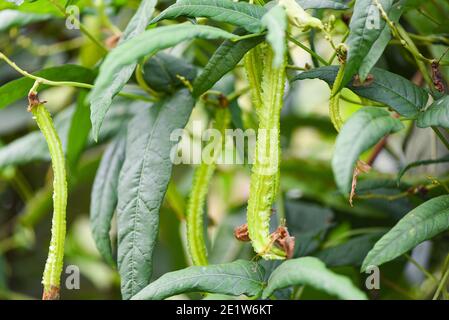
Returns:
(313,54)
(443,280)
(421,268)
(334,102)
(441,137)
(66,83)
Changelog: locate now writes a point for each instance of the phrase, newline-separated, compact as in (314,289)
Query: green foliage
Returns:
(365,28)
(386,87)
(104,196)
(224,59)
(312,272)
(107,85)
(437,114)
(422,223)
(237,13)
(235,278)
(270,217)
(147,166)
(162,72)
(18,89)
(362,131)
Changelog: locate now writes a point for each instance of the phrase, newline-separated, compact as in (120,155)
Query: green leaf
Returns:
(362,131)
(224,59)
(322,4)
(104,196)
(19,88)
(365,27)
(79,131)
(421,163)
(105,89)
(312,272)
(142,185)
(382,41)
(235,278)
(350,253)
(108,84)
(275,20)
(161,72)
(437,114)
(14,18)
(241,14)
(422,223)
(386,87)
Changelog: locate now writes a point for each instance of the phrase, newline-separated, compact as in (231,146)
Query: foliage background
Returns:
(319,217)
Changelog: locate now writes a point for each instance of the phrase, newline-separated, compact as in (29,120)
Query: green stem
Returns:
(443,280)
(421,268)
(53,267)
(441,137)
(66,83)
(203,175)
(334,102)
(312,53)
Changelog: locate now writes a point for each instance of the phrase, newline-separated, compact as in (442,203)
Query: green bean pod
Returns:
(195,207)
(53,267)
(265,171)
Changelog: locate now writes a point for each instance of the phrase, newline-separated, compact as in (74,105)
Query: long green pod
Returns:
(253,70)
(202,177)
(334,102)
(54,264)
(265,170)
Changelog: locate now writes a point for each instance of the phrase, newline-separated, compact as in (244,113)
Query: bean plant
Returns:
(224,149)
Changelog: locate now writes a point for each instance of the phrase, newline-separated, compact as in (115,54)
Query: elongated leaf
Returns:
(386,87)
(235,278)
(381,43)
(365,27)
(421,163)
(224,59)
(437,114)
(275,20)
(13,18)
(17,89)
(362,131)
(79,131)
(104,196)
(142,186)
(422,223)
(105,89)
(312,272)
(241,14)
(108,84)
(322,4)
